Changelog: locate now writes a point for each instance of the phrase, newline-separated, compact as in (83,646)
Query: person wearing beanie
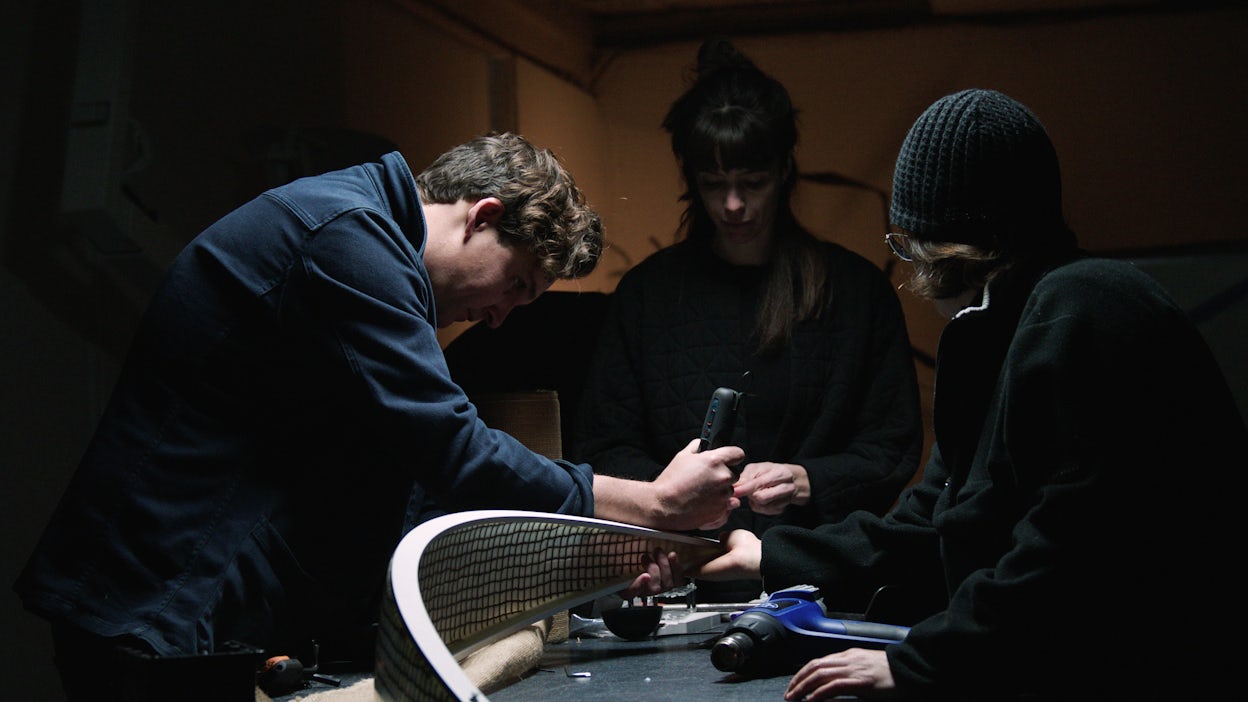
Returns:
(749,299)
(1058,545)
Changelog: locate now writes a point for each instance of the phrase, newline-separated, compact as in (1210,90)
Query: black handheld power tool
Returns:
(791,628)
(721,417)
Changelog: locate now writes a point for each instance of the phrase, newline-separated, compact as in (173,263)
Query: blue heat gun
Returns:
(790,628)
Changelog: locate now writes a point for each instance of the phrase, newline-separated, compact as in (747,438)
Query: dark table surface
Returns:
(594,664)
(675,667)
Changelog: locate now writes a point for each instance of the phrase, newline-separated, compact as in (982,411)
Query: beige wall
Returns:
(403,79)
(1147,114)
(565,119)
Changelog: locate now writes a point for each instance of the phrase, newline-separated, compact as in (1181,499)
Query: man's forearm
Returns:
(693,492)
(628,501)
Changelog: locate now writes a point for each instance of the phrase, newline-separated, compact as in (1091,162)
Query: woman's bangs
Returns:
(729,147)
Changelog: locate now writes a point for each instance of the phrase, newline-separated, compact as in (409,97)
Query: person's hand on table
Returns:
(856,671)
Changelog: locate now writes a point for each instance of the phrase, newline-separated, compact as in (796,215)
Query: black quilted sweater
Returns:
(841,399)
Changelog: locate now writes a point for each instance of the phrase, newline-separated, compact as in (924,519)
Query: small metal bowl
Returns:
(633,623)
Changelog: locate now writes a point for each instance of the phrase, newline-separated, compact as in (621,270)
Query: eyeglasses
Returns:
(900,245)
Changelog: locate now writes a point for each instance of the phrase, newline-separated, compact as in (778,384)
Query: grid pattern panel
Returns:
(482,575)
(402,671)
(490,574)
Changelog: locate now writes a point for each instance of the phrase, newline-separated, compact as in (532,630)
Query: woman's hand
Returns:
(771,487)
(857,671)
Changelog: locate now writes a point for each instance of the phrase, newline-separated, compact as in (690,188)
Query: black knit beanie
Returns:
(978,168)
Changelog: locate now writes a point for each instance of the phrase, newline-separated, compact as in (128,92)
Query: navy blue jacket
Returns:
(249,478)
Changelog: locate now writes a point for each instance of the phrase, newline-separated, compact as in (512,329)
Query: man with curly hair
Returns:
(286,389)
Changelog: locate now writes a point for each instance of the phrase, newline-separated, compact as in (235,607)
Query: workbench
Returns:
(594,664)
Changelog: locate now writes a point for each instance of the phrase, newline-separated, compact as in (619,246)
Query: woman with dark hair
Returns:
(812,333)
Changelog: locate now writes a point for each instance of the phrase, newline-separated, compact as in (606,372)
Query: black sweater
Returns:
(841,399)
(1086,452)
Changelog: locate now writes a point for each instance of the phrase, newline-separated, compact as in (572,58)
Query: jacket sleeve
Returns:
(850,560)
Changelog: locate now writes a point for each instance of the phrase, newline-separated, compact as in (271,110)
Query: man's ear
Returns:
(484,213)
